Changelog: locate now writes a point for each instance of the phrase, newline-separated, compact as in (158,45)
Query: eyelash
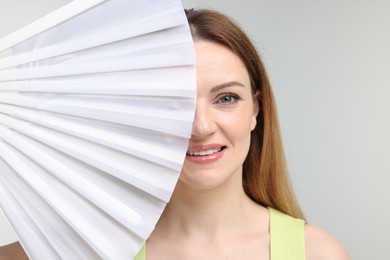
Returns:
(228,95)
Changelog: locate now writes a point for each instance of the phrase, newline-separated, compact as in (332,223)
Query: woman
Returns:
(235,172)
(234,175)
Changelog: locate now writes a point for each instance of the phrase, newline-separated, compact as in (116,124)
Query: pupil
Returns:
(226,99)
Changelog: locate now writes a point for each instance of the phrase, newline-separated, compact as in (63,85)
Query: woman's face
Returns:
(225,116)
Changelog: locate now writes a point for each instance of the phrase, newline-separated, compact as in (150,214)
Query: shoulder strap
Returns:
(287,238)
(141,254)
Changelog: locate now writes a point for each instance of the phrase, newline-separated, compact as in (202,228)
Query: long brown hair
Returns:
(265,176)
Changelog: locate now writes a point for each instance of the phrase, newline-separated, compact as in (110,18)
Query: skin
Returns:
(210,216)
(12,251)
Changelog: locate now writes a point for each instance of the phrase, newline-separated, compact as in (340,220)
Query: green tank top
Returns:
(287,238)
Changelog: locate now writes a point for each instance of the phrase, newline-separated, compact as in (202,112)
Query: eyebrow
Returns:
(226,85)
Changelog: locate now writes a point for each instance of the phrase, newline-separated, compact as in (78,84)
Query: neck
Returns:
(208,214)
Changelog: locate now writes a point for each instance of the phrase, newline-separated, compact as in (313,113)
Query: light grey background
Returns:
(329,63)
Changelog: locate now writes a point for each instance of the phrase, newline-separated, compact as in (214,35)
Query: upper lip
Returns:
(204,147)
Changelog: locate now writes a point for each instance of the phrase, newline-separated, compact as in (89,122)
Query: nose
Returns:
(203,125)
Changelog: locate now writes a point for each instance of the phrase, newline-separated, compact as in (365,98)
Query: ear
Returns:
(255,109)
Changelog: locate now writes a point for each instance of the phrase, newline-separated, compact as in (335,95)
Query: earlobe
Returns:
(254,123)
(255,110)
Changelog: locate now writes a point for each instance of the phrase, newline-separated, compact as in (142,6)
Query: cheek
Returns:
(241,126)
(244,130)
(242,140)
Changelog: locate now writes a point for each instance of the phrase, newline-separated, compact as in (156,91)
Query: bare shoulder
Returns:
(12,251)
(320,245)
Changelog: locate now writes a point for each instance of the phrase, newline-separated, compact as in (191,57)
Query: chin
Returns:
(208,180)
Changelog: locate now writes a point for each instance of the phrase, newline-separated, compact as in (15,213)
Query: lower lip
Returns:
(203,159)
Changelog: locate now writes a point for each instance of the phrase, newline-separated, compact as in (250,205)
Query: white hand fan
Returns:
(96,108)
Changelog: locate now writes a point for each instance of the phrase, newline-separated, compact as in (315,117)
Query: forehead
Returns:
(216,64)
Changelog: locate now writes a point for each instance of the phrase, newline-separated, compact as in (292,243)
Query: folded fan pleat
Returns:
(166,82)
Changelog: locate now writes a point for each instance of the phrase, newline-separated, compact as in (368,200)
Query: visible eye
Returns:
(228,99)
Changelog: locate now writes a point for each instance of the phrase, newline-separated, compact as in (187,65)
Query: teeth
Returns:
(204,152)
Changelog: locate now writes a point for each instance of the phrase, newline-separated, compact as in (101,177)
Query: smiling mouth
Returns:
(205,152)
